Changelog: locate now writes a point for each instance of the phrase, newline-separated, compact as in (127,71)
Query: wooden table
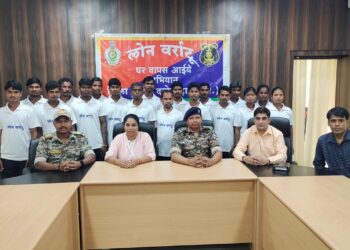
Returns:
(304,213)
(167,204)
(41,216)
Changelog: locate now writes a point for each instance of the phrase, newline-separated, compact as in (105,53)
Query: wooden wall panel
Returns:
(51,39)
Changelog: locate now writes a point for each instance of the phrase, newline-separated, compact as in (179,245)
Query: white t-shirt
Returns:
(71,100)
(224,121)
(88,120)
(155,101)
(27,102)
(210,103)
(285,112)
(246,114)
(205,111)
(144,111)
(165,129)
(115,114)
(239,103)
(102,98)
(45,114)
(15,126)
(122,100)
(181,106)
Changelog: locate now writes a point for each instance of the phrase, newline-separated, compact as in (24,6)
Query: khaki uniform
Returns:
(52,150)
(188,144)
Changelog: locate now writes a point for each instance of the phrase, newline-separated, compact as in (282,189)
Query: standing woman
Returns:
(132,147)
(263,95)
(247,109)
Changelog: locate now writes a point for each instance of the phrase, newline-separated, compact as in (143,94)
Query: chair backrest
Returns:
(32,152)
(144,127)
(283,125)
(180,124)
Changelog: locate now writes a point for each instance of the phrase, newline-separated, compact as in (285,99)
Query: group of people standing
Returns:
(76,131)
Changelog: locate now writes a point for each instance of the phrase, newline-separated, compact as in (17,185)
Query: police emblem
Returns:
(209,55)
(112,54)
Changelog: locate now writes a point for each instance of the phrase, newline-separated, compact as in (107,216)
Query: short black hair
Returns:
(132,116)
(13,84)
(261,86)
(176,84)
(33,80)
(193,85)
(204,84)
(249,89)
(262,110)
(165,91)
(96,79)
(85,81)
(235,84)
(114,81)
(276,88)
(339,112)
(136,84)
(65,79)
(148,78)
(224,88)
(51,85)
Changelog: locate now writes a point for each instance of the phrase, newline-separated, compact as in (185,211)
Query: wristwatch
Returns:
(82,163)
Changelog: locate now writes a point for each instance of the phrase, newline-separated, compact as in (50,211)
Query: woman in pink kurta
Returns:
(132,147)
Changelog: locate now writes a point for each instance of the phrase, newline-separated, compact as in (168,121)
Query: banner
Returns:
(166,57)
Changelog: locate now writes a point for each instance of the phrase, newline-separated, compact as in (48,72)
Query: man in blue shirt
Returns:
(334,148)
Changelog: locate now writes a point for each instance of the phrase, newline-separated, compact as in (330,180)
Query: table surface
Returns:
(47,177)
(26,212)
(322,203)
(166,171)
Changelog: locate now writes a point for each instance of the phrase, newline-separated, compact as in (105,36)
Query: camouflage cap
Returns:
(62,112)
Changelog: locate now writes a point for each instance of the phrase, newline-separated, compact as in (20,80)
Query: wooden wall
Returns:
(51,39)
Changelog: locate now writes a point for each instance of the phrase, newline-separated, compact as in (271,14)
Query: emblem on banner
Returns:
(112,54)
(209,55)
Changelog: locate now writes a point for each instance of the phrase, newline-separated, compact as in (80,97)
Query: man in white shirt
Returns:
(166,119)
(149,96)
(115,105)
(91,118)
(46,111)
(35,91)
(179,103)
(235,90)
(18,124)
(144,111)
(204,90)
(66,87)
(97,89)
(227,123)
(193,94)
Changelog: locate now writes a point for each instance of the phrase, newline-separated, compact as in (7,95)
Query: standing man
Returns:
(195,145)
(66,87)
(149,96)
(166,119)
(193,94)
(115,106)
(204,90)
(261,144)
(139,107)
(18,124)
(63,150)
(334,148)
(235,91)
(35,91)
(46,111)
(97,89)
(91,118)
(227,122)
(179,103)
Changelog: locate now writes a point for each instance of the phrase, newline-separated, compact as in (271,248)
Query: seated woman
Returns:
(132,147)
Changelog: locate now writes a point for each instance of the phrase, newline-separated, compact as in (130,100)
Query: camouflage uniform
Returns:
(189,145)
(52,150)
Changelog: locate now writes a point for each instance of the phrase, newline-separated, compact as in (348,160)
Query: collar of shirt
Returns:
(268,130)
(331,138)
(70,138)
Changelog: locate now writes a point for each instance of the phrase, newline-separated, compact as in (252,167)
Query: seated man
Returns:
(195,145)
(261,144)
(63,150)
(334,148)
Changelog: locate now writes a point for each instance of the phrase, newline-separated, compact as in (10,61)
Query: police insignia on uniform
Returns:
(209,55)
(112,54)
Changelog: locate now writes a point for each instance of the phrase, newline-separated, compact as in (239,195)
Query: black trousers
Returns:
(100,156)
(12,168)
(162,158)
(226,155)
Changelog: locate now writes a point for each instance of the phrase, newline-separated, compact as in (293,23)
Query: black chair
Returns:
(32,152)
(181,124)
(144,127)
(283,125)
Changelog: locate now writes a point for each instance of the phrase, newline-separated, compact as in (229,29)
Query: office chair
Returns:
(181,124)
(32,152)
(283,125)
(144,127)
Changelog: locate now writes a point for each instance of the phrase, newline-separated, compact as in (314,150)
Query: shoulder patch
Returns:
(77,133)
